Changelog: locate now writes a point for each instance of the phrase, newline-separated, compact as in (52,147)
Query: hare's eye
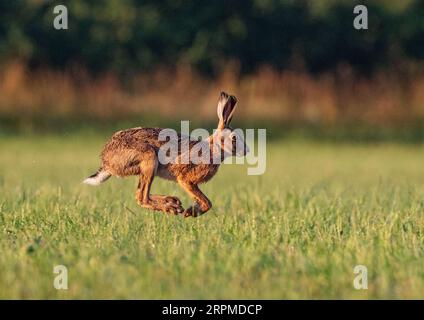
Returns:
(233,138)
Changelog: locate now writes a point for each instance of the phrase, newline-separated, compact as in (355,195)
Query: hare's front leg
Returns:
(202,203)
(155,202)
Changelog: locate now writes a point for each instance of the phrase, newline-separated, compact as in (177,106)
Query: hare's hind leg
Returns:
(148,167)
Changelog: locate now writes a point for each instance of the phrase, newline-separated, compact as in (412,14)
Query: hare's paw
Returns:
(188,212)
(192,212)
(159,204)
(166,199)
(173,200)
(169,204)
(173,208)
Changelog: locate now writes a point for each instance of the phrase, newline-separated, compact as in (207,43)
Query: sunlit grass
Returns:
(295,232)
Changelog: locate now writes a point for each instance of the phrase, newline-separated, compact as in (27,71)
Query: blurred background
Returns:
(344,181)
(297,67)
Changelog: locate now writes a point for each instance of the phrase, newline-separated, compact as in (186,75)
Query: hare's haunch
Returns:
(136,152)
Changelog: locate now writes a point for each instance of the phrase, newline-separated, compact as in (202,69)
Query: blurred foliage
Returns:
(127,36)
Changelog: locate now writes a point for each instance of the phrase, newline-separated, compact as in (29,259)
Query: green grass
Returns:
(295,232)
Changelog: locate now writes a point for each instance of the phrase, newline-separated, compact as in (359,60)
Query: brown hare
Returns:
(136,152)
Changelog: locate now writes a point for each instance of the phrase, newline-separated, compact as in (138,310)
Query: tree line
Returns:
(139,35)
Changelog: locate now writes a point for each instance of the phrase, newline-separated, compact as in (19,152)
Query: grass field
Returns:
(295,232)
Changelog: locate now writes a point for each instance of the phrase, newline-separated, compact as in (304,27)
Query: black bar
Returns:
(195,309)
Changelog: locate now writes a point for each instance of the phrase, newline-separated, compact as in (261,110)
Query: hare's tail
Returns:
(95,179)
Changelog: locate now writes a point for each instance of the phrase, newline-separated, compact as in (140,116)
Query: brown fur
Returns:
(135,152)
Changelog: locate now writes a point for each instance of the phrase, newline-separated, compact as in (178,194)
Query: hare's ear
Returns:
(225,110)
